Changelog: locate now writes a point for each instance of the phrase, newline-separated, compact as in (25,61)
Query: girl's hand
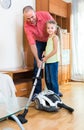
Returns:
(44,59)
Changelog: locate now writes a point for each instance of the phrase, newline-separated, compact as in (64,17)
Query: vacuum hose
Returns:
(62,105)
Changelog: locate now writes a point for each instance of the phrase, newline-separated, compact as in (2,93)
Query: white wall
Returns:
(11,34)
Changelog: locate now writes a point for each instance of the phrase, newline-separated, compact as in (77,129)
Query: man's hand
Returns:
(39,63)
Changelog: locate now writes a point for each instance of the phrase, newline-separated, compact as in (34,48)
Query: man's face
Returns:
(30,16)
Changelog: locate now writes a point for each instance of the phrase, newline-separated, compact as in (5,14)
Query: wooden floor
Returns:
(73,95)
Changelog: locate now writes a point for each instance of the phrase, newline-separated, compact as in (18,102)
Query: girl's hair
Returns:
(27,8)
(58,31)
(52,22)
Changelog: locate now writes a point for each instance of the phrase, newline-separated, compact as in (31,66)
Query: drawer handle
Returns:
(24,89)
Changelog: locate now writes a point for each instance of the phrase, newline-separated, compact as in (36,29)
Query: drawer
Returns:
(23,89)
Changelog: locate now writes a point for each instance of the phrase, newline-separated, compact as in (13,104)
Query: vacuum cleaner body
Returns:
(49,101)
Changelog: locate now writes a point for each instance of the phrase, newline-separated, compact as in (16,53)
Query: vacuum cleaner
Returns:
(46,100)
(49,101)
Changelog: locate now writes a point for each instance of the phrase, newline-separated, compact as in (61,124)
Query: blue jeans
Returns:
(40,48)
(51,76)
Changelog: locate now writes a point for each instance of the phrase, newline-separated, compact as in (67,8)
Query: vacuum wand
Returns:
(21,117)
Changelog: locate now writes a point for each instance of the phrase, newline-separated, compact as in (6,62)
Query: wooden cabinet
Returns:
(60,11)
(22,78)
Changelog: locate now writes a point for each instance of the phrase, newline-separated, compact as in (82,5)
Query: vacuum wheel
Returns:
(37,103)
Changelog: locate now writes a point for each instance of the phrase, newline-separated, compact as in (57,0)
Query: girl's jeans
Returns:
(40,47)
(51,76)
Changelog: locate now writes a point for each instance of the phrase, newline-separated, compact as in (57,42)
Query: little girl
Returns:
(51,58)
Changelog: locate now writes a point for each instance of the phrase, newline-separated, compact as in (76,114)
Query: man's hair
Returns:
(27,8)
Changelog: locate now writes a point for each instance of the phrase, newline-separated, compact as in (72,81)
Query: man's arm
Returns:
(32,44)
(35,53)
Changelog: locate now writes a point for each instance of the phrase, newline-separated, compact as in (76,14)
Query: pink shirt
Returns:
(38,31)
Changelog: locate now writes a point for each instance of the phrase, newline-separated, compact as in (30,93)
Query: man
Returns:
(35,29)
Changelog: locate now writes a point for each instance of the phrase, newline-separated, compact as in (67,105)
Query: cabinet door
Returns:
(65,57)
(58,7)
(42,5)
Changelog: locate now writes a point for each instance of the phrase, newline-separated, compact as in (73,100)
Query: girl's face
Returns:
(51,28)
